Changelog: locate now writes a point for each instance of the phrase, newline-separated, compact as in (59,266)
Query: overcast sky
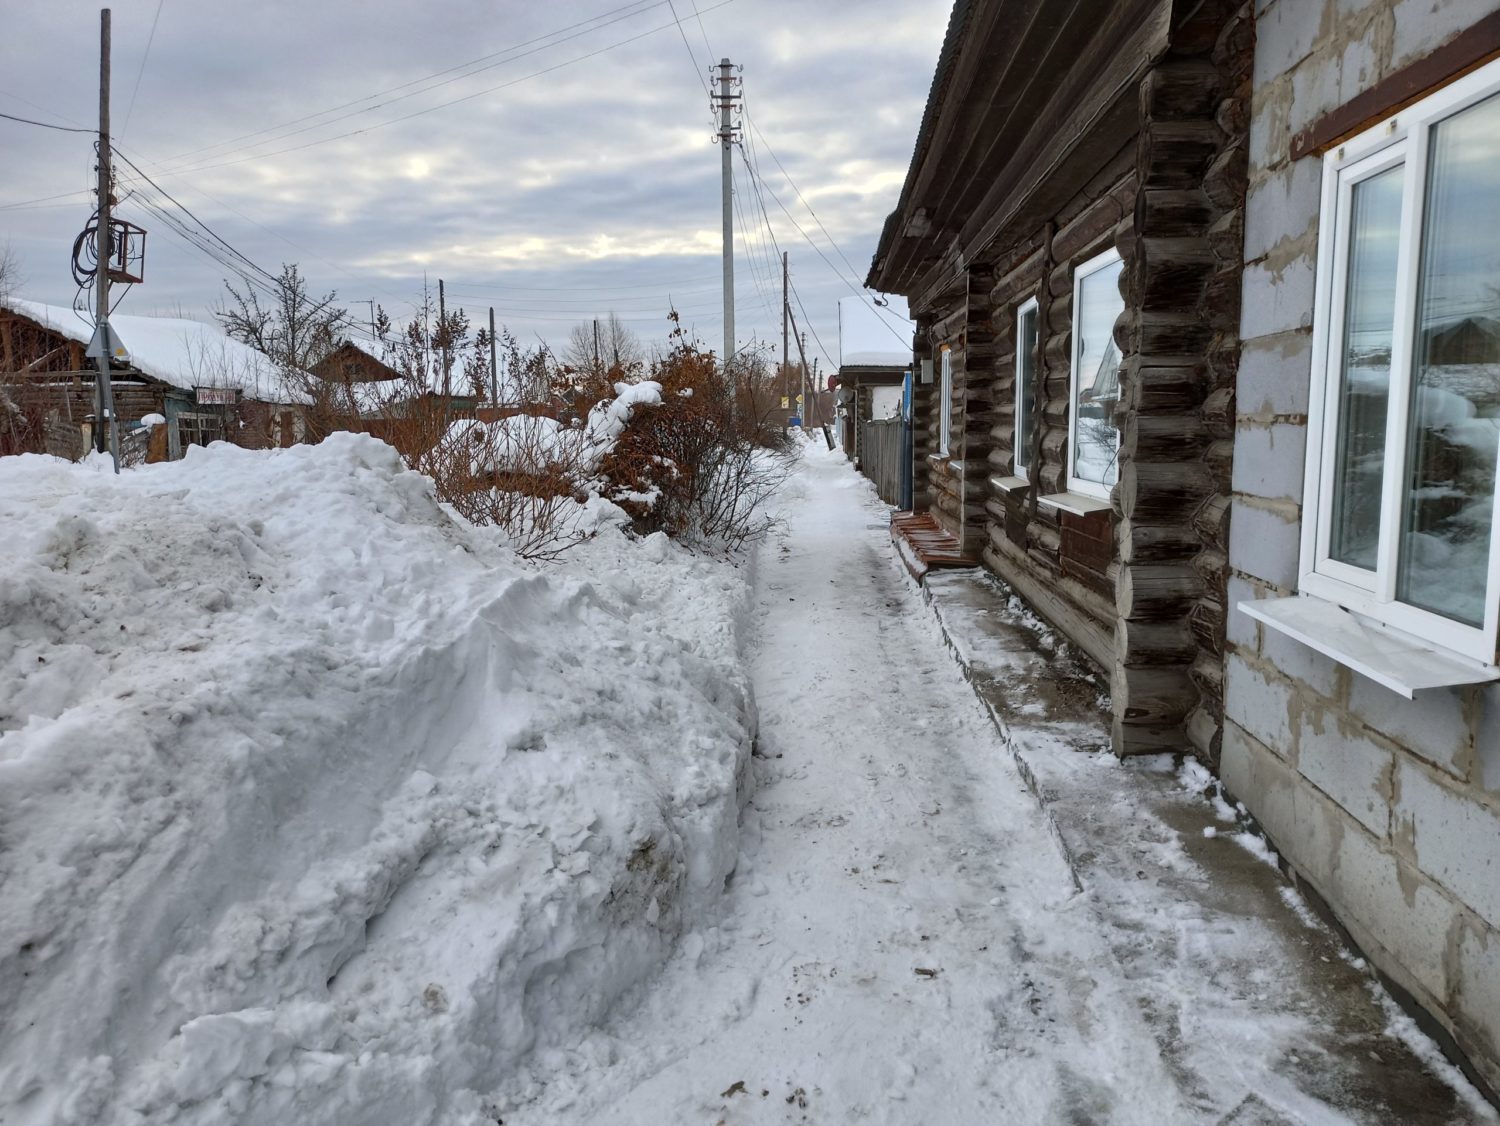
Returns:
(554,197)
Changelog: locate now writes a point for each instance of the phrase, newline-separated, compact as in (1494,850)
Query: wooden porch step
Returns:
(923,545)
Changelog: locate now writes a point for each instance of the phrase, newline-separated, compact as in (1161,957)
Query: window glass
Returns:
(1096,376)
(1365,377)
(1452,436)
(945,406)
(1026,342)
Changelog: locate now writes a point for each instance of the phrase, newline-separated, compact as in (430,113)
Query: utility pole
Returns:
(786,361)
(374,335)
(597,366)
(725,102)
(443,336)
(494,368)
(807,401)
(104,396)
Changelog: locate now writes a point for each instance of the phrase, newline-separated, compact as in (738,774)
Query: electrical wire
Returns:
(440,105)
(756,132)
(46,199)
(204,226)
(136,89)
(46,124)
(761,184)
(640,7)
(691,55)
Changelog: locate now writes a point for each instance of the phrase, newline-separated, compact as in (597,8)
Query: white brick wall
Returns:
(1269,461)
(1264,543)
(1455,841)
(1261,704)
(1352,770)
(1274,375)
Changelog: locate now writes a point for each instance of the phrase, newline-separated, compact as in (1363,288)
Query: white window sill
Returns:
(1079,504)
(1010,485)
(1399,662)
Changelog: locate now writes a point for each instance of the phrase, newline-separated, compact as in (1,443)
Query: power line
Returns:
(755,129)
(46,124)
(808,321)
(205,227)
(680,31)
(25,203)
(441,105)
(703,31)
(514,52)
(136,89)
(819,251)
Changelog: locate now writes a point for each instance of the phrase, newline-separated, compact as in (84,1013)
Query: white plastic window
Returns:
(1405,409)
(945,403)
(1093,438)
(1026,352)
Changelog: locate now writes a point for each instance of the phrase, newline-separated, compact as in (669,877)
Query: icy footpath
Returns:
(317,806)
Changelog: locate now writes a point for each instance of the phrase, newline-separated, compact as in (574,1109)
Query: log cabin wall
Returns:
(1180,343)
(959,324)
(1136,140)
(1062,563)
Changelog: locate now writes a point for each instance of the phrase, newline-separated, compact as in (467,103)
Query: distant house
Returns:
(206,386)
(874,359)
(353,385)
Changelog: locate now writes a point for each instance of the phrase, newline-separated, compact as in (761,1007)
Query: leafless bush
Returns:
(703,464)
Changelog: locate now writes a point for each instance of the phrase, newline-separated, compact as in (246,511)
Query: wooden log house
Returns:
(1069,240)
(206,386)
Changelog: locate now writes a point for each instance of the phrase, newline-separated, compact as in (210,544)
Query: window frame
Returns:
(1020,464)
(945,402)
(1081,273)
(1401,139)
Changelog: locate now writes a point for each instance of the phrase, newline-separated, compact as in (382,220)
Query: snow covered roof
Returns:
(175,350)
(871,336)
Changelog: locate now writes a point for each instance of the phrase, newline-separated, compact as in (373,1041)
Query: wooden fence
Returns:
(879,453)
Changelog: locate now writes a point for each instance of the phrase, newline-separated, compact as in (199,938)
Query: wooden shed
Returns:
(1069,239)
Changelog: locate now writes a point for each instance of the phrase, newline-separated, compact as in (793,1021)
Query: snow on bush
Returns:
(316,805)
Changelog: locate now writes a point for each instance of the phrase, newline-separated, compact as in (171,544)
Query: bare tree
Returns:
(10,271)
(618,349)
(290,325)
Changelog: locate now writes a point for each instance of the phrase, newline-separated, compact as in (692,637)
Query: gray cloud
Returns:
(589,189)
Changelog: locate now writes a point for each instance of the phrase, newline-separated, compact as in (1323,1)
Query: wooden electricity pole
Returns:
(443,335)
(786,359)
(104,398)
(494,369)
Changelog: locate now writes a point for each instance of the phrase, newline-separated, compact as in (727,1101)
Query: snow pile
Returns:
(183,353)
(315,806)
(524,442)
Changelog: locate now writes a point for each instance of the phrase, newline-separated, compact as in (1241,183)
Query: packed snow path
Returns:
(902,941)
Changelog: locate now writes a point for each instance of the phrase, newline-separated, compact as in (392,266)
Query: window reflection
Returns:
(1096,376)
(1453,437)
(1369,320)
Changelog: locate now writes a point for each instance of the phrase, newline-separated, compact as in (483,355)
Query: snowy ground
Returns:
(317,807)
(904,941)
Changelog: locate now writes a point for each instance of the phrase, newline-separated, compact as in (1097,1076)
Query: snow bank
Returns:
(315,806)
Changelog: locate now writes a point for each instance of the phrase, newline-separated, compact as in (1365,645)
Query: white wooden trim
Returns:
(1077,485)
